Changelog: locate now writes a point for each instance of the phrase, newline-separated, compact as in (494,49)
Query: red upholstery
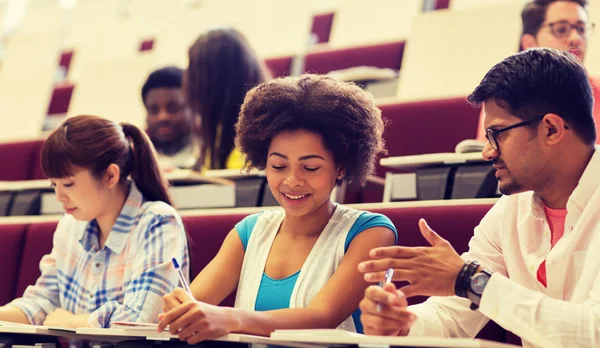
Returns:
(146,45)
(65,59)
(321,26)
(428,126)
(387,55)
(36,172)
(38,242)
(442,4)
(279,67)
(11,247)
(205,236)
(61,97)
(454,223)
(16,164)
(418,128)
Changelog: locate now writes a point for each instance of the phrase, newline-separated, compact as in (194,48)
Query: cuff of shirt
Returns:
(33,312)
(493,299)
(94,321)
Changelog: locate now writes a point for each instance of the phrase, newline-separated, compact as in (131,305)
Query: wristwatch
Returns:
(477,284)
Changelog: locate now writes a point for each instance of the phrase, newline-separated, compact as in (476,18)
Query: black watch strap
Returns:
(463,280)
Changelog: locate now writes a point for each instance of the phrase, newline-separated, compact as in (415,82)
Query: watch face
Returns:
(478,283)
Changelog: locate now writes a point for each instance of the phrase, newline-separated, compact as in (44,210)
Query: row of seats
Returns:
(90,75)
(24,244)
(413,128)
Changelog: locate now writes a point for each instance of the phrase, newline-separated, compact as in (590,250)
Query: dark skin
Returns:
(169,119)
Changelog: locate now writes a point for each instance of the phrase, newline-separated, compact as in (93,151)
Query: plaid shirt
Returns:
(124,280)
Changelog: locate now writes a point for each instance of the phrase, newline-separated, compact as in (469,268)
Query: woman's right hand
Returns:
(384,311)
(175,298)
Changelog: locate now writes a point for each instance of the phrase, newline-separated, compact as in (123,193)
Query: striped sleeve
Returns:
(153,274)
(41,299)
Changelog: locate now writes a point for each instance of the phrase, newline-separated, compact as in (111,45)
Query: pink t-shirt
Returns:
(556,220)
(595,82)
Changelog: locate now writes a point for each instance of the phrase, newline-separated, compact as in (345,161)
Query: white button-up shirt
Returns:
(513,239)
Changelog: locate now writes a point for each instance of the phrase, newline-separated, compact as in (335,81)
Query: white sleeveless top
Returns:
(321,263)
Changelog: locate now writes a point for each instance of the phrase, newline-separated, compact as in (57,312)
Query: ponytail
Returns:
(145,170)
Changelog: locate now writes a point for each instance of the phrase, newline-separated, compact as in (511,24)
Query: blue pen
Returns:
(182,278)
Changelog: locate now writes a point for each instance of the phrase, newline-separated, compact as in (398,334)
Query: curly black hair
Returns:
(341,113)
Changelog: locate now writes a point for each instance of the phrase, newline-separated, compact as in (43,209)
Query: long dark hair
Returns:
(93,143)
(223,67)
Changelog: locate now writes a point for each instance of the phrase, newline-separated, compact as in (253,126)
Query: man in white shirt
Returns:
(536,270)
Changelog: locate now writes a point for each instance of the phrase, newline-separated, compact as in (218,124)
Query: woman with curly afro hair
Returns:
(296,267)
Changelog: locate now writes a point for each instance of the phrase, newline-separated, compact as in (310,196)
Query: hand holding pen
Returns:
(385,309)
(389,275)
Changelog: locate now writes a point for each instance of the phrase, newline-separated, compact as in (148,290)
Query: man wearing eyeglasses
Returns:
(533,262)
(560,24)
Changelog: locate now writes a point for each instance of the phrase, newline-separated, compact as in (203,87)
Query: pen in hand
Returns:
(389,274)
(182,280)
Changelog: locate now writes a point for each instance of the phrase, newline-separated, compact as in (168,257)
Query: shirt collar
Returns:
(588,183)
(117,238)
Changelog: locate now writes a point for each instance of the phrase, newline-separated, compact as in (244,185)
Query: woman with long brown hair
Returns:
(222,68)
(112,251)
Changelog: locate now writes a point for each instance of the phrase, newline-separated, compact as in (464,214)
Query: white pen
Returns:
(182,278)
(389,274)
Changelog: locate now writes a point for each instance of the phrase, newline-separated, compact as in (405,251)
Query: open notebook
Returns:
(333,336)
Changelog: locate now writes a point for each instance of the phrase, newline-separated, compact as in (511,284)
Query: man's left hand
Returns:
(431,271)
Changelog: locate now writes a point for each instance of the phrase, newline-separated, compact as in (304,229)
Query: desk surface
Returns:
(432,159)
(222,177)
(293,338)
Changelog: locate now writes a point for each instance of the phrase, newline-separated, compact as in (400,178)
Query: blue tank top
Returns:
(276,293)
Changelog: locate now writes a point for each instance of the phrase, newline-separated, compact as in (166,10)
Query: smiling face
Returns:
(81,195)
(301,172)
(168,117)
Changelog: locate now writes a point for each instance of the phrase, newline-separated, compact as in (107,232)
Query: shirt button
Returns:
(571,228)
(98,264)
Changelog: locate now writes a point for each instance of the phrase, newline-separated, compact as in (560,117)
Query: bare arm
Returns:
(13,315)
(219,278)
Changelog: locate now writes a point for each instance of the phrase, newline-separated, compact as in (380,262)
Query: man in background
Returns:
(169,120)
(560,24)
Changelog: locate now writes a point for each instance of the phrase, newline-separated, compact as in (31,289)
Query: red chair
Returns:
(205,236)
(321,26)
(280,66)
(38,242)
(36,172)
(16,159)
(11,247)
(388,55)
(60,100)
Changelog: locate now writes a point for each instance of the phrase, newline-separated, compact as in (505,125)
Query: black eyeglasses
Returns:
(562,29)
(492,135)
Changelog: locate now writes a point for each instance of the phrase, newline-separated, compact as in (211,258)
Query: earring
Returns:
(340,177)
